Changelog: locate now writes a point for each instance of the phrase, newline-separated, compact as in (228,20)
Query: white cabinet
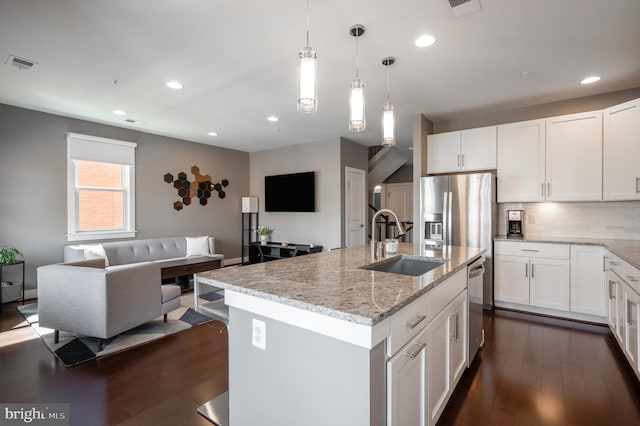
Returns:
(621,125)
(613,292)
(532,274)
(574,157)
(427,347)
(553,159)
(588,281)
(511,279)
(407,383)
(447,355)
(521,161)
(463,150)
(549,283)
(632,301)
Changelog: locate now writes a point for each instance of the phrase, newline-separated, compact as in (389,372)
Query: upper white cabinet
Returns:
(463,150)
(556,159)
(622,151)
(574,157)
(521,161)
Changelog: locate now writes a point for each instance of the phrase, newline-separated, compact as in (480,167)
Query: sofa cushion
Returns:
(197,246)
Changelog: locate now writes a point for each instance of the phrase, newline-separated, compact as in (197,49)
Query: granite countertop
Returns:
(333,284)
(628,250)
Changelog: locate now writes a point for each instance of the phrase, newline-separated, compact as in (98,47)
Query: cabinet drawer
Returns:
(407,323)
(444,293)
(533,250)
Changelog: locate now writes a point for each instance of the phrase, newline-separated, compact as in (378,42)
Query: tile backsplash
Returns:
(618,220)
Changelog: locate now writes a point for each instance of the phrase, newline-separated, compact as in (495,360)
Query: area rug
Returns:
(72,349)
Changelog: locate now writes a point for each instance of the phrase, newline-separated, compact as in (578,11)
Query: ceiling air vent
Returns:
(464,7)
(21,63)
(132,121)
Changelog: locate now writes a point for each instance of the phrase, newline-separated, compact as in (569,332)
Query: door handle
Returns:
(416,352)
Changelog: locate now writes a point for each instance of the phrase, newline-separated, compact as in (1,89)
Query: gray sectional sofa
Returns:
(104,290)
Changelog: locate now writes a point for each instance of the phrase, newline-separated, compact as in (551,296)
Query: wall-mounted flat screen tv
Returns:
(294,192)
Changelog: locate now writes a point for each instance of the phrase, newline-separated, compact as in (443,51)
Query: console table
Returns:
(274,250)
(18,287)
(181,269)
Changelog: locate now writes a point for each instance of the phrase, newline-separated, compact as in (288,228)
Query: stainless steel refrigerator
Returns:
(460,210)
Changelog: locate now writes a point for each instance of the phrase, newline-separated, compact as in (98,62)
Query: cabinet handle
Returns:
(542,189)
(416,352)
(548,189)
(638,185)
(532,250)
(604,263)
(532,265)
(611,262)
(632,278)
(630,320)
(458,160)
(417,320)
(452,328)
(526,270)
(611,283)
(457,326)
(462,160)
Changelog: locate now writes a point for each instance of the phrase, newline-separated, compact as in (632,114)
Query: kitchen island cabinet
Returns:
(319,340)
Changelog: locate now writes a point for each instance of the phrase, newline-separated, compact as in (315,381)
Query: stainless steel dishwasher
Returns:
(475,272)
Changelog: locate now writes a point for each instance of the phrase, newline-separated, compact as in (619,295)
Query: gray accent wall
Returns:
(355,156)
(33,193)
(321,227)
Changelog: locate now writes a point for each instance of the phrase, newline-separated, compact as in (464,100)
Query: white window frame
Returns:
(100,150)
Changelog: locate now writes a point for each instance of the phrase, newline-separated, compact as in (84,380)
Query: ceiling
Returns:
(238,62)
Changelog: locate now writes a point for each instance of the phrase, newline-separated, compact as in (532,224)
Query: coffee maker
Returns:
(515,220)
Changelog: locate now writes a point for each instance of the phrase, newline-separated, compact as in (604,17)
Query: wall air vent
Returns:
(20,63)
(462,8)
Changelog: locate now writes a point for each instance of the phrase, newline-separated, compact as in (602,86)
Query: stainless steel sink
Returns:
(406,265)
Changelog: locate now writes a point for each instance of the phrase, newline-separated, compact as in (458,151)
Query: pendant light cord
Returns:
(307,22)
(388,85)
(357,37)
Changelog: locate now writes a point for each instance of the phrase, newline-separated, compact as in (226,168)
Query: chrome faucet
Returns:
(374,252)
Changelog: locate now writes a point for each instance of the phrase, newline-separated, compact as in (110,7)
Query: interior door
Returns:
(355,207)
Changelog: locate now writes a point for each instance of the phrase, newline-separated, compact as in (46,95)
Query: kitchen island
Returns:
(319,340)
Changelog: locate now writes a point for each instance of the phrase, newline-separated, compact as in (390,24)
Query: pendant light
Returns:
(308,87)
(357,122)
(388,117)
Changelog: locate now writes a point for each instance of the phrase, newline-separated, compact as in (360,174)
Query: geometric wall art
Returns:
(201,188)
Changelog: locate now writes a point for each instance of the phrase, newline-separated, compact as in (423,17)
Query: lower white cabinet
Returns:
(588,283)
(511,279)
(613,292)
(549,283)
(447,355)
(422,374)
(407,383)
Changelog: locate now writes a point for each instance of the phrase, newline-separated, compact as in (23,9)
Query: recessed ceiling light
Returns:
(119,112)
(176,85)
(212,134)
(272,118)
(425,40)
(591,79)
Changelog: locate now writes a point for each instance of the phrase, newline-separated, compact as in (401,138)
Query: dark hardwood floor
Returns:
(532,371)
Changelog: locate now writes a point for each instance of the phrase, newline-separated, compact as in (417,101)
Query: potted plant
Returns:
(9,254)
(264,232)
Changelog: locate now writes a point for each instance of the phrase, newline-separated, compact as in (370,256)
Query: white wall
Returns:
(321,227)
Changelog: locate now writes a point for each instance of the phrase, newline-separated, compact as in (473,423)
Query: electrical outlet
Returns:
(531,219)
(259,334)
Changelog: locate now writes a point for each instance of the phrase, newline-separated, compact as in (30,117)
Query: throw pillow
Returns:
(197,246)
(95,252)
